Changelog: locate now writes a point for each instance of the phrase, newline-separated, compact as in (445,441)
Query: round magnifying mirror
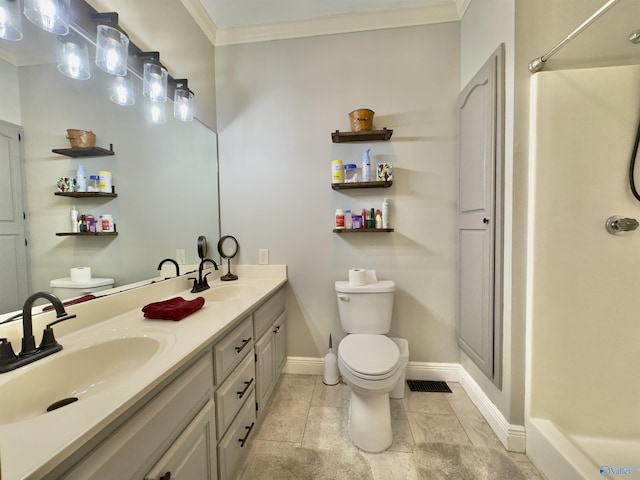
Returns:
(202,246)
(228,248)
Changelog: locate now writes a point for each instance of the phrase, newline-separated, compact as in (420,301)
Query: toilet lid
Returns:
(369,354)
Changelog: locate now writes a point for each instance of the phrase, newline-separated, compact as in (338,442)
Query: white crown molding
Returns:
(340,24)
(461,6)
(202,18)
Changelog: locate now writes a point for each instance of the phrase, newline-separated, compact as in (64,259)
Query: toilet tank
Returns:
(367,308)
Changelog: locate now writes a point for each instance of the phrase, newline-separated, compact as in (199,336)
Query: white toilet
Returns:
(369,362)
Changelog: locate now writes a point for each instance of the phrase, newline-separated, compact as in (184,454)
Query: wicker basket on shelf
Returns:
(361,120)
(81,138)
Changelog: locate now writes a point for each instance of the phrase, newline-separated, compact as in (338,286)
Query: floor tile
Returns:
(305,434)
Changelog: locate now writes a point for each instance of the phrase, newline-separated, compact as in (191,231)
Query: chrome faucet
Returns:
(200,283)
(29,353)
(171,260)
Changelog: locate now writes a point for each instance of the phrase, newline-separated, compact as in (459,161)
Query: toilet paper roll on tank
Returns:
(360,276)
(80,274)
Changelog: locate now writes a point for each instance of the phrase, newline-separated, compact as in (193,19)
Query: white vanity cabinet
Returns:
(180,420)
(269,327)
(197,427)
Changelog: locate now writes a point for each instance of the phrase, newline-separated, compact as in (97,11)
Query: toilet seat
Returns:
(370,357)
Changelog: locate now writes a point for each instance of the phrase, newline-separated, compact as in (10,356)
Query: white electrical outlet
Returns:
(180,257)
(263,256)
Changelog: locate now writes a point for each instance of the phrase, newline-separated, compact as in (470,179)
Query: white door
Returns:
(15,277)
(479,217)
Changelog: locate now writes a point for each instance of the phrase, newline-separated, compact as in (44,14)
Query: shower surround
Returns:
(583,284)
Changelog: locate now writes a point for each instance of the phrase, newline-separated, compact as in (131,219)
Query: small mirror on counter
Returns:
(202,247)
(228,248)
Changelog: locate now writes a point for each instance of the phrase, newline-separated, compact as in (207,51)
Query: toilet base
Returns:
(370,422)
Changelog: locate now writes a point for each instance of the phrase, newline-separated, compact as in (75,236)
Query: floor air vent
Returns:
(428,386)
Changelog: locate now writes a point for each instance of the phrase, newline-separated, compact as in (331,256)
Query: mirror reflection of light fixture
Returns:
(121,91)
(72,56)
(112,49)
(10,20)
(154,79)
(50,15)
(156,112)
(183,101)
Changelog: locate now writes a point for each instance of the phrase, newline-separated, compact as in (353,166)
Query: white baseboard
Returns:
(513,437)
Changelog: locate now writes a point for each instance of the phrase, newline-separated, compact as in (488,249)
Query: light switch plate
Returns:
(180,257)
(263,256)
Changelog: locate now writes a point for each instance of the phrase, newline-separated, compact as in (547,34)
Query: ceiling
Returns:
(227,22)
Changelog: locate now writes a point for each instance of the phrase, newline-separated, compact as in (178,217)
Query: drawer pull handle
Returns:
(245,342)
(277,329)
(243,440)
(246,387)
(166,476)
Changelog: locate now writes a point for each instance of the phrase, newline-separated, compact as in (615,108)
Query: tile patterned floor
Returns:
(435,436)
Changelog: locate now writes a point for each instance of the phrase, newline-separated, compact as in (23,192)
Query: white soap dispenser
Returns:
(331,376)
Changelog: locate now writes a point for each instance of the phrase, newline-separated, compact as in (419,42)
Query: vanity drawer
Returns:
(234,444)
(265,315)
(233,393)
(232,349)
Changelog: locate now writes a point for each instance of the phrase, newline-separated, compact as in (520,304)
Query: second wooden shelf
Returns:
(86,194)
(361,230)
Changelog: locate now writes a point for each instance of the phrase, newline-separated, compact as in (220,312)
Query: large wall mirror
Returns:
(165,175)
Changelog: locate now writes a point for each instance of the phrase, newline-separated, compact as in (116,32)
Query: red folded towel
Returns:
(173,309)
(71,302)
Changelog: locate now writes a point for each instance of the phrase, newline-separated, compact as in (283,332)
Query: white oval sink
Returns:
(69,375)
(228,292)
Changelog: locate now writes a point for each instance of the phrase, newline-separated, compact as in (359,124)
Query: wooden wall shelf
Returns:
(350,185)
(86,194)
(86,234)
(84,152)
(362,230)
(363,136)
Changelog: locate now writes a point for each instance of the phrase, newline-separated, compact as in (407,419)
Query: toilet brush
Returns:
(331,376)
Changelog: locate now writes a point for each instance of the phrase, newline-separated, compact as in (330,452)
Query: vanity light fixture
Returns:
(156,112)
(112,45)
(72,56)
(50,15)
(121,91)
(183,101)
(10,20)
(154,79)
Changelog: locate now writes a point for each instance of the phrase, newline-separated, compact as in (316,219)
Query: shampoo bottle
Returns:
(366,166)
(81,179)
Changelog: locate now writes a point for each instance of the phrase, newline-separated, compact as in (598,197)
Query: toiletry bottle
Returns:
(364,218)
(81,179)
(378,219)
(348,221)
(385,213)
(372,219)
(366,166)
(74,219)
(339,218)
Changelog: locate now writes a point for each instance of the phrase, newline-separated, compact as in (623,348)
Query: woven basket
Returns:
(81,138)
(361,120)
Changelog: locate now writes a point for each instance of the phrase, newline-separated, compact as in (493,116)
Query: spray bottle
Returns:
(330,376)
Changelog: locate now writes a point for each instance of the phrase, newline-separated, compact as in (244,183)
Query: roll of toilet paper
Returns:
(81,274)
(357,277)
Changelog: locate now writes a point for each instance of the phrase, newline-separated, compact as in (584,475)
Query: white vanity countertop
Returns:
(31,448)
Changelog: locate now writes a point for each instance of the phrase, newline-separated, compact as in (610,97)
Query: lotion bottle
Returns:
(81,179)
(74,219)
(385,213)
(366,166)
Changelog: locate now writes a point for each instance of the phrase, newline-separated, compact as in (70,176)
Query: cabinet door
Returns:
(265,369)
(280,343)
(193,454)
